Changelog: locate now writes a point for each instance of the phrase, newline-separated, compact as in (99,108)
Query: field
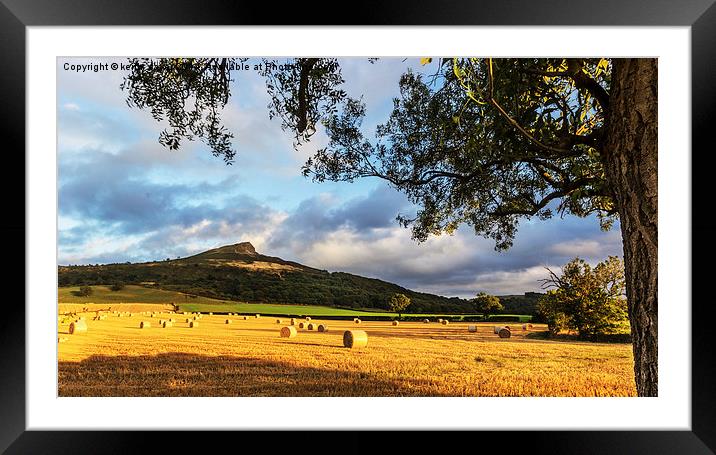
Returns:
(249,358)
(103,298)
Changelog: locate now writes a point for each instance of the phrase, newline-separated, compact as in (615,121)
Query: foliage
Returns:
(484,142)
(117,286)
(588,300)
(398,302)
(84,291)
(486,304)
(222,279)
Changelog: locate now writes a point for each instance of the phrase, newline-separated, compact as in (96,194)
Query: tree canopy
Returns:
(398,302)
(589,300)
(483,142)
(486,304)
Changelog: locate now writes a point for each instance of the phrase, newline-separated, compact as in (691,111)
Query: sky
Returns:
(124,197)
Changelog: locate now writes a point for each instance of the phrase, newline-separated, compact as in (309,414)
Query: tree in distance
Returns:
(84,291)
(118,286)
(487,304)
(398,302)
(588,300)
(481,142)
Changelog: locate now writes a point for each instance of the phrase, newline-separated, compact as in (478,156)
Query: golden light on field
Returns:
(252,357)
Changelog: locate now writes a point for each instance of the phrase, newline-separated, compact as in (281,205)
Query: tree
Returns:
(398,302)
(118,286)
(486,304)
(84,291)
(483,142)
(590,301)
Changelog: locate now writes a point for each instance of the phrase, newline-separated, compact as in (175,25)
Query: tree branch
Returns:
(583,81)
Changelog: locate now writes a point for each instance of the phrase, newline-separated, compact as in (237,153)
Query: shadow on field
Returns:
(179,374)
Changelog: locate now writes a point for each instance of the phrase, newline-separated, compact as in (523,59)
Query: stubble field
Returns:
(249,358)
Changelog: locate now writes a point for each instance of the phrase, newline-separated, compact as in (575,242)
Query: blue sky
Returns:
(124,197)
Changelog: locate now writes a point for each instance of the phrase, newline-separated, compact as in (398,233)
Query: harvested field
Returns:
(250,358)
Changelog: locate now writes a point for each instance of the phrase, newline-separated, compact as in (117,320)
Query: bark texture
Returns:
(630,162)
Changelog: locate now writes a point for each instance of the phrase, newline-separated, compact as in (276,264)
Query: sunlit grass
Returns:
(248,358)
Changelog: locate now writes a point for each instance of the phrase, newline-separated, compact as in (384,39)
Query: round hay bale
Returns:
(308,318)
(504,332)
(322,328)
(288,331)
(472,328)
(301,325)
(279,321)
(258,316)
(440,321)
(146,325)
(524,327)
(167,324)
(81,318)
(355,339)
(246,318)
(357,321)
(228,321)
(293,321)
(496,329)
(196,318)
(187,320)
(396,323)
(311,326)
(211,313)
(426,321)
(161,322)
(445,322)
(193,324)
(78,327)
(530,325)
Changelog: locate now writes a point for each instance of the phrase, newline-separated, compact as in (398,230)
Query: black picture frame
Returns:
(16,15)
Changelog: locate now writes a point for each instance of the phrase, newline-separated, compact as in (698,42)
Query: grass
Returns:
(102,295)
(248,358)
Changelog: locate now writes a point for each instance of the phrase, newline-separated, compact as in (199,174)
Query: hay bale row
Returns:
(77,327)
(355,339)
(288,331)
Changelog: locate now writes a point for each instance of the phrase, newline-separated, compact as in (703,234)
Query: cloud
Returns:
(122,196)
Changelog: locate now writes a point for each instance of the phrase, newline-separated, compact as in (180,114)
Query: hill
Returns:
(239,273)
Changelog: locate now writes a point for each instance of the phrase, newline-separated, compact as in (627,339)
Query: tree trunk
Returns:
(630,162)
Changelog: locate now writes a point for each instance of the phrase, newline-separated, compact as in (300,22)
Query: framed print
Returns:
(415,218)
